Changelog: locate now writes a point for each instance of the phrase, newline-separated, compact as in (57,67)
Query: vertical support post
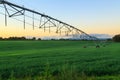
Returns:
(58,25)
(67,33)
(49,27)
(33,22)
(44,25)
(40,22)
(24,18)
(72,33)
(57,29)
(5,18)
(60,32)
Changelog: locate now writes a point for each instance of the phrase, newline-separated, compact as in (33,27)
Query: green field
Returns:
(58,60)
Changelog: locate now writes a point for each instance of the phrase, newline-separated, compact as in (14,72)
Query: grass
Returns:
(59,60)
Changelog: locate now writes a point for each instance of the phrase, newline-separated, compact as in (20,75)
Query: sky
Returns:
(91,16)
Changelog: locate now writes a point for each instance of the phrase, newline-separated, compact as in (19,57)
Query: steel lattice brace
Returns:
(45,21)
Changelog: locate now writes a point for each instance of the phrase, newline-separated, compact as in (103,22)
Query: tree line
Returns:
(19,38)
(116,38)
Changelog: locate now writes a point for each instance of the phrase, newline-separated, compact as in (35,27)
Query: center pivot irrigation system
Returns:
(45,22)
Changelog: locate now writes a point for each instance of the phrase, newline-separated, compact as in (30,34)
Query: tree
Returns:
(33,38)
(1,38)
(116,38)
(39,39)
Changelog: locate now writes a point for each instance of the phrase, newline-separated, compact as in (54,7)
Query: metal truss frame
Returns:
(45,21)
